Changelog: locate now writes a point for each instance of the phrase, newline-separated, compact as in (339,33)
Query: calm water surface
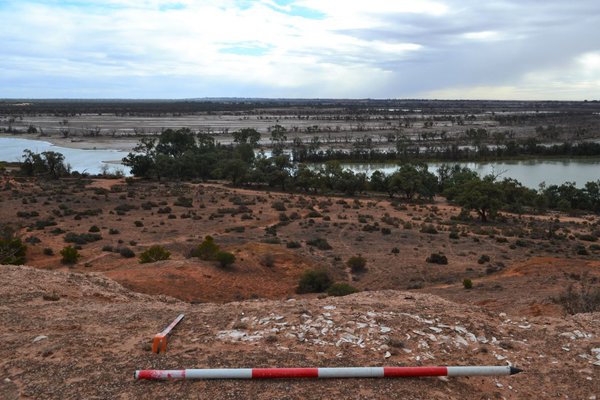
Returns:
(530,172)
(90,161)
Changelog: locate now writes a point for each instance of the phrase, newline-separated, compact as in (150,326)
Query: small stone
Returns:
(40,338)
(385,329)
(387,354)
(499,385)
(329,307)
(7,380)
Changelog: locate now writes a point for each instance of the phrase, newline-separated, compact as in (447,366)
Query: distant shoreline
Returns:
(81,143)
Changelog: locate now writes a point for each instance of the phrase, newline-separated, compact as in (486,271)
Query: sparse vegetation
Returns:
(357,264)
(341,289)
(207,250)
(224,258)
(319,243)
(153,254)
(437,258)
(314,281)
(70,255)
(581,298)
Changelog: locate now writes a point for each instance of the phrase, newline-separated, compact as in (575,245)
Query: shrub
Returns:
(587,238)
(123,208)
(126,252)
(70,255)
(149,205)
(386,231)
(207,250)
(395,250)
(12,251)
(467,283)
(453,235)
(48,251)
(585,298)
(278,205)
(82,238)
(107,247)
(113,231)
(436,258)
(341,289)
(293,245)
(268,260)
(153,254)
(314,281)
(183,202)
(224,258)
(483,259)
(319,243)
(357,263)
(138,224)
(429,229)
(94,228)
(33,240)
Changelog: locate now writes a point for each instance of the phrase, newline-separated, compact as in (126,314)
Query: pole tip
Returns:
(514,370)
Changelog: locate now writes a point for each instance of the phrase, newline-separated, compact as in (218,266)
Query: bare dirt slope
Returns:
(70,336)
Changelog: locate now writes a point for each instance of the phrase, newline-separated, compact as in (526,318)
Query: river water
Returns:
(529,172)
(90,161)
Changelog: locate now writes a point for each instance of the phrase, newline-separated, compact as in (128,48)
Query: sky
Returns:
(446,49)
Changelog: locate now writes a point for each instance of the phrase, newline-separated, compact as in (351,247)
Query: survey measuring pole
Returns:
(324,373)
(160,339)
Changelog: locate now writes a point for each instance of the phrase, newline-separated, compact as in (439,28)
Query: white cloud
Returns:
(376,48)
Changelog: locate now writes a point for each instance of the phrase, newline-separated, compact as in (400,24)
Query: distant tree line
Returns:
(413,151)
(185,155)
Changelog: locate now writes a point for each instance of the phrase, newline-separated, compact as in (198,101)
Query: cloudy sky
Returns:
(448,49)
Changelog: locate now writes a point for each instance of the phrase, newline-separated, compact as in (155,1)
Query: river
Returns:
(91,161)
(529,172)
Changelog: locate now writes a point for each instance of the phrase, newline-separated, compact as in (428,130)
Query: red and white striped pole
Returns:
(322,373)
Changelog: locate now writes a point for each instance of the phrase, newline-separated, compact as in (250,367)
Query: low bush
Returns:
(483,259)
(587,238)
(207,250)
(436,258)
(224,258)
(70,255)
(153,254)
(467,283)
(293,245)
(126,252)
(341,289)
(183,202)
(278,205)
(430,229)
(94,228)
(357,264)
(268,260)
(82,238)
(12,251)
(581,299)
(319,243)
(314,281)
